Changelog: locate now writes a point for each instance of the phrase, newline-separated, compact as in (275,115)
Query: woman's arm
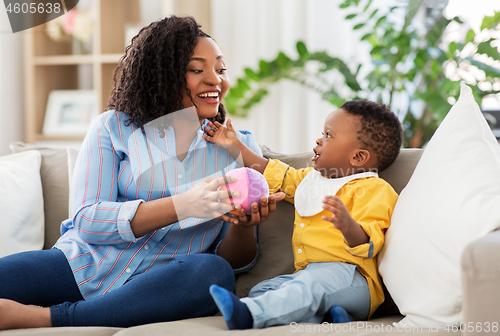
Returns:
(239,246)
(100,218)
(201,201)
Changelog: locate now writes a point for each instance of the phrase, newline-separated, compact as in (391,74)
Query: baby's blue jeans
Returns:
(177,290)
(309,294)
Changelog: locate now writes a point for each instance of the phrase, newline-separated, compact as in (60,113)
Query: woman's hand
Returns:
(258,214)
(239,246)
(221,135)
(202,200)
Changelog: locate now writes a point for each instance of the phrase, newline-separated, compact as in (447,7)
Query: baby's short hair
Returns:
(380,130)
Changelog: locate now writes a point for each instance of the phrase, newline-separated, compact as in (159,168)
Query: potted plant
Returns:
(415,65)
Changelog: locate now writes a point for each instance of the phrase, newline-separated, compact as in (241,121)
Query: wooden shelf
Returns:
(50,65)
(77,59)
(110,58)
(63,59)
(41,137)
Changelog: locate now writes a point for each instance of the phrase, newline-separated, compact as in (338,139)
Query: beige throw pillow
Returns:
(54,176)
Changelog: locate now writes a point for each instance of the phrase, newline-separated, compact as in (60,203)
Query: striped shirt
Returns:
(119,167)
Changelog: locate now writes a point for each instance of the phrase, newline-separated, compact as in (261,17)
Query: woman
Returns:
(148,236)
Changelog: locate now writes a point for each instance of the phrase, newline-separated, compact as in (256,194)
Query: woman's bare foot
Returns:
(14,315)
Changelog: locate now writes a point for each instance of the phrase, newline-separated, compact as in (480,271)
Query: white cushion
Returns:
(452,199)
(21,203)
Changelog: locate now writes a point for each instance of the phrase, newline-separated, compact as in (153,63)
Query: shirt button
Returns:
(299,251)
(163,228)
(128,270)
(302,225)
(179,176)
(146,247)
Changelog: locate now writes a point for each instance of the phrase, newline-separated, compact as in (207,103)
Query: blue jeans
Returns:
(175,291)
(309,294)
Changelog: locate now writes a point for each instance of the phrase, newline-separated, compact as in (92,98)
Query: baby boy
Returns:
(342,212)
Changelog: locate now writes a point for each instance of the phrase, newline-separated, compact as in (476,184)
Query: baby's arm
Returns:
(343,221)
(227,138)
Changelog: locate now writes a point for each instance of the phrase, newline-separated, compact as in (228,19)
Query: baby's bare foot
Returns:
(14,315)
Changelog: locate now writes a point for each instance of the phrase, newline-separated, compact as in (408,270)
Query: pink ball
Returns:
(250,184)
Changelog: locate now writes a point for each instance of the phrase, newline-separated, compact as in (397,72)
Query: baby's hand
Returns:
(220,134)
(341,218)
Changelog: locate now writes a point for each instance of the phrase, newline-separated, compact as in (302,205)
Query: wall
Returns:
(291,117)
(289,120)
(11,85)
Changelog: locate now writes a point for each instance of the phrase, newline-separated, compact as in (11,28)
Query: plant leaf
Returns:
(255,98)
(301,48)
(437,103)
(350,79)
(487,49)
(366,36)
(491,22)
(265,68)
(252,75)
(367,6)
(470,36)
(452,48)
(345,4)
(380,21)
(488,69)
(236,91)
(283,61)
(411,11)
(243,84)
(358,26)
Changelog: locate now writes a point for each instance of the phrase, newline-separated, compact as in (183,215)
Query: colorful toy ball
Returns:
(250,184)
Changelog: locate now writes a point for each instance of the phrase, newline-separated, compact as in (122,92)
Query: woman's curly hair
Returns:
(380,130)
(150,78)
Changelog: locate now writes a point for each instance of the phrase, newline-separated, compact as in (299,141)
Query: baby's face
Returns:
(337,145)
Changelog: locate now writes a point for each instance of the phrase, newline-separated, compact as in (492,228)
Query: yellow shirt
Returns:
(370,201)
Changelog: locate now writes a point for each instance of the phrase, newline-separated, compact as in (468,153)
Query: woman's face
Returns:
(206,78)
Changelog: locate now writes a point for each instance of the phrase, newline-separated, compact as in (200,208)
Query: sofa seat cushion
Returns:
(63,331)
(215,326)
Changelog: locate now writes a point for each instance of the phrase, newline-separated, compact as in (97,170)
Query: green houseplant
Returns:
(408,64)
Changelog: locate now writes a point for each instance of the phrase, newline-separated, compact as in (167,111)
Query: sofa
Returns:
(480,261)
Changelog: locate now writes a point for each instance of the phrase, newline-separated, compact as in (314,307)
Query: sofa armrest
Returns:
(481,284)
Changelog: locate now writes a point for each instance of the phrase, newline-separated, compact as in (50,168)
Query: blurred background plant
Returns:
(415,70)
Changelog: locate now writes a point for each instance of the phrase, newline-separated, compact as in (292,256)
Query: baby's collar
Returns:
(353,176)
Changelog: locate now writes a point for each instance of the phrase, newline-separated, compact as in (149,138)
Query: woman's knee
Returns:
(37,277)
(211,269)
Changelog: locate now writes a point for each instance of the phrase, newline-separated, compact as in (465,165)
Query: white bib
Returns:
(314,187)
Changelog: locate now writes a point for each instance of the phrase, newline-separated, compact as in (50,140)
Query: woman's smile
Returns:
(210,96)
